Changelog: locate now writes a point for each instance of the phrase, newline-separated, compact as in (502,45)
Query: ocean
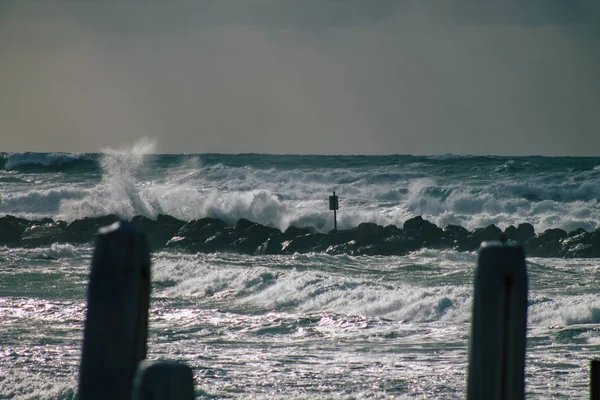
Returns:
(311,325)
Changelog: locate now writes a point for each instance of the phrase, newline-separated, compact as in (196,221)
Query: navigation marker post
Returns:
(333,205)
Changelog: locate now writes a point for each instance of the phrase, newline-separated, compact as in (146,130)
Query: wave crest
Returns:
(30,160)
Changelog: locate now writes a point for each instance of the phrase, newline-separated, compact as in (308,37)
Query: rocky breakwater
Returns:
(214,235)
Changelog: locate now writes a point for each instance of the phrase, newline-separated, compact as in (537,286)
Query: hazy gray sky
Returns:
(512,77)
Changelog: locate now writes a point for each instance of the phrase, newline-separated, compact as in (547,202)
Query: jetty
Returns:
(208,235)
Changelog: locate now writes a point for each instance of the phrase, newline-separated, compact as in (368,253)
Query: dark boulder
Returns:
(157,232)
(455,234)
(260,232)
(391,230)
(342,248)
(46,235)
(430,235)
(245,245)
(305,244)
(546,244)
(168,222)
(220,241)
(143,224)
(399,245)
(295,231)
(11,229)
(422,226)
(272,245)
(479,235)
(582,244)
(339,237)
(85,230)
(192,236)
(593,251)
(242,224)
(520,234)
(253,237)
(576,233)
(201,229)
(367,233)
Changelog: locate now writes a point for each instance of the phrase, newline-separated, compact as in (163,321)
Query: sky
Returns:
(512,77)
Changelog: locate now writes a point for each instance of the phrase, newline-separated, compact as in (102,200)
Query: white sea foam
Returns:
(312,290)
(41,202)
(62,250)
(268,284)
(567,310)
(29,386)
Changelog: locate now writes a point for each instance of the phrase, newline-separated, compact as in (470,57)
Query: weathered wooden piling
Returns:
(163,380)
(498,330)
(116,324)
(595,380)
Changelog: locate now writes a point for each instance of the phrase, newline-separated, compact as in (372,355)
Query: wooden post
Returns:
(595,380)
(163,380)
(116,324)
(498,330)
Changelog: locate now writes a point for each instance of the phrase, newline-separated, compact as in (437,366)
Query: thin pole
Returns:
(334,220)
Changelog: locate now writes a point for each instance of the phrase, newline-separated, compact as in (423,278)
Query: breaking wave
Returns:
(46,161)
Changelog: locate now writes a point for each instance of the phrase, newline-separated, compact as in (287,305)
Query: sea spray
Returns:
(121,191)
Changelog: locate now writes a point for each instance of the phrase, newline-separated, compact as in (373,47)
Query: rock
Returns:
(272,245)
(168,222)
(242,224)
(342,248)
(400,245)
(582,244)
(46,235)
(201,229)
(576,233)
(304,244)
(261,232)
(220,241)
(424,227)
(294,231)
(143,224)
(455,235)
(11,229)
(391,230)
(367,233)
(85,230)
(520,234)
(334,238)
(160,231)
(546,244)
(253,237)
(479,235)
(192,236)
(430,235)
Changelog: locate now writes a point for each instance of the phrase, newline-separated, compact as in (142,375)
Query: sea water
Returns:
(311,326)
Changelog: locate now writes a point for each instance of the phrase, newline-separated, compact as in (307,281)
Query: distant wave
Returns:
(46,161)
